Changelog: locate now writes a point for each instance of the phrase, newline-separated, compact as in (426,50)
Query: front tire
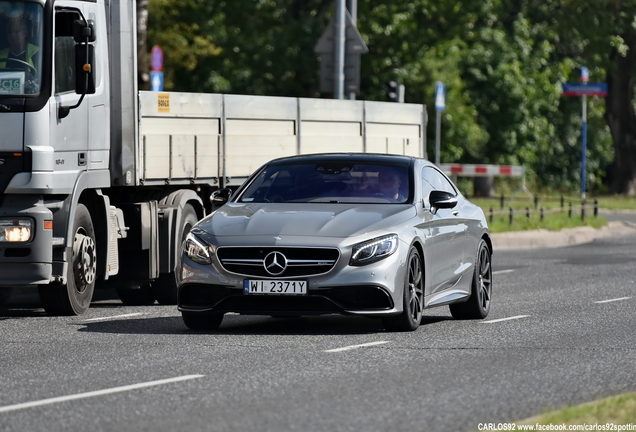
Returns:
(478,304)
(74,297)
(202,320)
(412,298)
(165,287)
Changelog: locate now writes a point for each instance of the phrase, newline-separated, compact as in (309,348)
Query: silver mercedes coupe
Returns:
(381,236)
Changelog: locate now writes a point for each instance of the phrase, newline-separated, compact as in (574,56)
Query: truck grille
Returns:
(272,262)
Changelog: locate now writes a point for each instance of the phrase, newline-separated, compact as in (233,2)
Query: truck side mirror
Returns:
(84,76)
(84,31)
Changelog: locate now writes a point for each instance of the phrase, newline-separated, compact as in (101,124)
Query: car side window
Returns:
(432,180)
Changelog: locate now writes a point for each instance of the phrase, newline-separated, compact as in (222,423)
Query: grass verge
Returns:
(618,410)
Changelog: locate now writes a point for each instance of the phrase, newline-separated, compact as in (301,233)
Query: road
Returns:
(561,331)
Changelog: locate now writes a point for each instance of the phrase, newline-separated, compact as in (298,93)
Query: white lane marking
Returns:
(613,300)
(114,317)
(96,393)
(503,271)
(505,319)
(347,348)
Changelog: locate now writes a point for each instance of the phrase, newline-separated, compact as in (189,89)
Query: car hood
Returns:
(289,219)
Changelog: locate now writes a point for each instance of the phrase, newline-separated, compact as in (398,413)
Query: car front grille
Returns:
(283,262)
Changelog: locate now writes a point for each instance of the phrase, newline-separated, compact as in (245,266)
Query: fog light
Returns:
(15,230)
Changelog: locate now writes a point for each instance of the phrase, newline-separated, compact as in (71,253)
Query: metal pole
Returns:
(584,148)
(438,129)
(353,11)
(339,40)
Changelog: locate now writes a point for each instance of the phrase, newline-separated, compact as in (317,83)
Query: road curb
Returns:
(566,237)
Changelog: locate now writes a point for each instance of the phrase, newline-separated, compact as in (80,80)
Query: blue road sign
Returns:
(589,89)
(156,81)
(440,96)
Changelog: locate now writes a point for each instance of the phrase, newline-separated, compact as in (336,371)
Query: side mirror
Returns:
(441,200)
(220,197)
(84,31)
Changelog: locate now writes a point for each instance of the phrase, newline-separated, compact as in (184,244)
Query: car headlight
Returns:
(15,230)
(197,250)
(373,250)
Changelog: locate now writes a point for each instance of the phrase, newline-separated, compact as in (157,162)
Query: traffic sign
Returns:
(354,47)
(156,81)
(589,89)
(440,96)
(156,58)
(585,74)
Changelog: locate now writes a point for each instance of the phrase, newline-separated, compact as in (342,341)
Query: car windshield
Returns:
(329,182)
(20,48)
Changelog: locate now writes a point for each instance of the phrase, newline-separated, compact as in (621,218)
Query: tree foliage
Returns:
(503,63)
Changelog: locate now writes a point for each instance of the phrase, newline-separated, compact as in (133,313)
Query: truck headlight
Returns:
(373,250)
(197,250)
(15,230)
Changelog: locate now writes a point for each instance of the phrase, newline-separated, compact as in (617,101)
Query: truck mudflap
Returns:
(26,236)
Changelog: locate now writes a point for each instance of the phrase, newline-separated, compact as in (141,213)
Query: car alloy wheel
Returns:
(413,297)
(478,304)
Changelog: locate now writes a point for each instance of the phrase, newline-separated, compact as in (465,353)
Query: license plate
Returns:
(279,287)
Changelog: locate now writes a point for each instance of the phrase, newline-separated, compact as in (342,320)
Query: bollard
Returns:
(528,213)
(502,201)
(492,215)
(595,208)
(583,202)
(542,215)
(511,216)
(536,202)
(570,211)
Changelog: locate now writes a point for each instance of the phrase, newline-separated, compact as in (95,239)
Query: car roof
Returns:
(379,158)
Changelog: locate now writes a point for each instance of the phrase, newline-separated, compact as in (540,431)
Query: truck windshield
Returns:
(21,26)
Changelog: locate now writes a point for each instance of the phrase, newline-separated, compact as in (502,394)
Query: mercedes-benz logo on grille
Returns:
(275,263)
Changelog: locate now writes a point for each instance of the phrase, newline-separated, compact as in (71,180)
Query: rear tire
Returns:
(478,304)
(165,288)
(413,296)
(75,297)
(202,320)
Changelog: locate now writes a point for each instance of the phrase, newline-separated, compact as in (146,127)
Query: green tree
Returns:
(601,34)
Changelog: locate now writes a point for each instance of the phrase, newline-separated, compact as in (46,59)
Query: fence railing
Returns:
(527,212)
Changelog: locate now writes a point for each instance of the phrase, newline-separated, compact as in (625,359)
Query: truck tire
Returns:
(165,287)
(74,297)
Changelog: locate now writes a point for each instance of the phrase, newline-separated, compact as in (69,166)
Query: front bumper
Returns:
(372,290)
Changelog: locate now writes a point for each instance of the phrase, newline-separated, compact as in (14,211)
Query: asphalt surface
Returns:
(548,342)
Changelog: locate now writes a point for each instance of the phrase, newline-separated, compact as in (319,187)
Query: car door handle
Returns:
(455,212)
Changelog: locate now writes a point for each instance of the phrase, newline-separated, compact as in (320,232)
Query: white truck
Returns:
(100,182)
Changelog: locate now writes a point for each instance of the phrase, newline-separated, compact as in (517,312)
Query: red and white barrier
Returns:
(468,170)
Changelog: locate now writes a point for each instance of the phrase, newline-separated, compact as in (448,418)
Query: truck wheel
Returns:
(165,288)
(142,296)
(74,298)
